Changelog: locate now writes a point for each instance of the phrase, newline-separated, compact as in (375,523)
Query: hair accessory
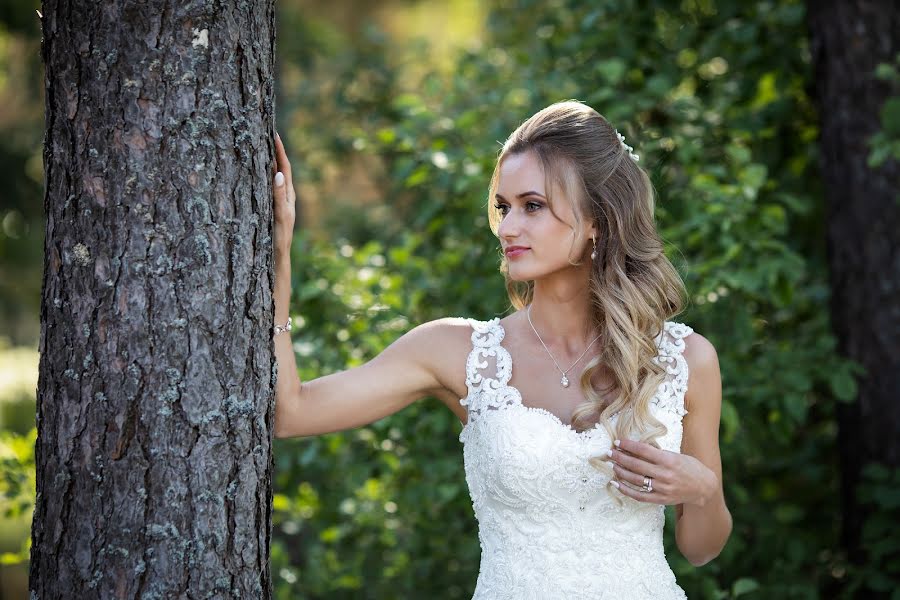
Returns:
(631,153)
(285,327)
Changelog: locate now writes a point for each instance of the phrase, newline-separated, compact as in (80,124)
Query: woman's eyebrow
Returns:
(524,194)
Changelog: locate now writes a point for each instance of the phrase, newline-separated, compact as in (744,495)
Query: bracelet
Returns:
(285,327)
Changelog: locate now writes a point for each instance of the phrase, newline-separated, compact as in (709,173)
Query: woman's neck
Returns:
(563,320)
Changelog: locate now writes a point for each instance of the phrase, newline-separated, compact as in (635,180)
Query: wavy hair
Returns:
(634,288)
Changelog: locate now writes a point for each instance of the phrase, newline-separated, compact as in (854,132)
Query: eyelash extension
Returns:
(500,207)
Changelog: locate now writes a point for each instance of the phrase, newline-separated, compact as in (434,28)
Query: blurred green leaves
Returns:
(713,97)
(885,144)
(17,490)
(392,157)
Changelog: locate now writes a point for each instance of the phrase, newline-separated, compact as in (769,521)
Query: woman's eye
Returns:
(534,206)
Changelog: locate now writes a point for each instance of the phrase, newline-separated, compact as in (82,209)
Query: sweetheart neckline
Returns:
(538,409)
(543,411)
(553,415)
(560,422)
(498,344)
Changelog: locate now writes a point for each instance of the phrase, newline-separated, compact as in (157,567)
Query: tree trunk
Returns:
(156,386)
(848,40)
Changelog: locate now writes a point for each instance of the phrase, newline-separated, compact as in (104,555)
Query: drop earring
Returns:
(594,253)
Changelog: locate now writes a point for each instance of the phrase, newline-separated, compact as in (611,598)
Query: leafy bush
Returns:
(17,493)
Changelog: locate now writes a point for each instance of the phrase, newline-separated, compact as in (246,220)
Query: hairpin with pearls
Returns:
(631,153)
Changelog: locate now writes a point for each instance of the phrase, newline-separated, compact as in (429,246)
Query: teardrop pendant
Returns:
(564,381)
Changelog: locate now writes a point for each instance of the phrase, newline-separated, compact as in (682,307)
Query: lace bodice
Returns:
(548,528)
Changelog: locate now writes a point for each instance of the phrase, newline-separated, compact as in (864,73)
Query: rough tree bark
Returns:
(848,40)
(155,394)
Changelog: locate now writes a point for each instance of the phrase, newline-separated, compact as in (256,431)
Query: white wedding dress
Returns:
(548,530)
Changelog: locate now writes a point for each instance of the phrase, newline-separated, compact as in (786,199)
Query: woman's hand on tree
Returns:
(284,199)
(677,478)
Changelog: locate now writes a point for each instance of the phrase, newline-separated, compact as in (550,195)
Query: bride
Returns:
(569,467)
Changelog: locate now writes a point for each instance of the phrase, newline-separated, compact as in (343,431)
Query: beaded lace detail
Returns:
(548,526)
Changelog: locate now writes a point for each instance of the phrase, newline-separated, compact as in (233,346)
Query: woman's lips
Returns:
(516,252)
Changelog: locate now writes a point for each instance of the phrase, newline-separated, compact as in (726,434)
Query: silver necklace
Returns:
(565,380)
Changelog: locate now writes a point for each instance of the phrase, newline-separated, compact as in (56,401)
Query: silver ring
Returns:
(648,484)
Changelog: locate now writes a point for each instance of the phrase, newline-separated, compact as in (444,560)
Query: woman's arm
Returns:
(691,479)
(703,529)
(284,199)
(407,370)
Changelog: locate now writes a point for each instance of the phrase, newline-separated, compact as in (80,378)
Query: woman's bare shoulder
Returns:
(447,325)
(448,344)
(446,338)
(704,377)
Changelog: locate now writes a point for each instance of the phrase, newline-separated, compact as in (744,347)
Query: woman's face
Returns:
(526,221)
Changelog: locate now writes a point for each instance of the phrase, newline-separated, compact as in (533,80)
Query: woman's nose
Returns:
(509,226)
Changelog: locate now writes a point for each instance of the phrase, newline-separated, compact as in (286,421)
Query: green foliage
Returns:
(18,380)
(879,494)
(375,510)
(713,97)
(885,144)
(17,490)
(21,209)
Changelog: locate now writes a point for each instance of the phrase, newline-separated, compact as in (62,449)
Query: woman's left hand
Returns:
(677,478)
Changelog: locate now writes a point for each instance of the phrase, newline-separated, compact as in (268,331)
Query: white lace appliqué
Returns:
(547,526)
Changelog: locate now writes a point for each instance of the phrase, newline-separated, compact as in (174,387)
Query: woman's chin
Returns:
(518,274)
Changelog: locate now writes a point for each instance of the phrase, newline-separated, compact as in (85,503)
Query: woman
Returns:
(569,469)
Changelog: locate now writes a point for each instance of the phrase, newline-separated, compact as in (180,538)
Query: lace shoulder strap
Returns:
(488,369)
(670,341)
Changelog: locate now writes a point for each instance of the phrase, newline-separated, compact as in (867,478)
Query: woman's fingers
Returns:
(639,495)
(635,464)
(280,189)
(634,479)
(284,201)
(284,214)
(284,165)
(283,196)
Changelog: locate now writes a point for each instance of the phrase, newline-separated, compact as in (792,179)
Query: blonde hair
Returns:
(634,288)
